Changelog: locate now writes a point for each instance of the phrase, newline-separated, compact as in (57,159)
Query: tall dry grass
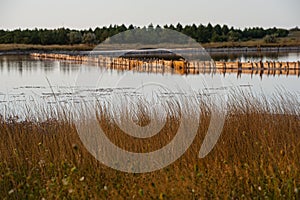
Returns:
(257,156)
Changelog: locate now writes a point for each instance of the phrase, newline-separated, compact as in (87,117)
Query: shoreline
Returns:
(83,51)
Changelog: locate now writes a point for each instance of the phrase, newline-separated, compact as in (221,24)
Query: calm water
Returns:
(26,81)
(254,56)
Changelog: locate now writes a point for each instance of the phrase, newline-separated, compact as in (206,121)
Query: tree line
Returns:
(201,33)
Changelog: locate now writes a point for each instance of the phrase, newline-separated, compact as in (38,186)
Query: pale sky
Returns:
(81,14)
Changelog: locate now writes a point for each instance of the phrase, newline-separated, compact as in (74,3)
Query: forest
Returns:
(201,33)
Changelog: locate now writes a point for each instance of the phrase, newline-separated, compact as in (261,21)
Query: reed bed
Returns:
(257,155)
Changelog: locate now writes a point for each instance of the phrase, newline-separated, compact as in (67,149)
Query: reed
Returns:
(257,155)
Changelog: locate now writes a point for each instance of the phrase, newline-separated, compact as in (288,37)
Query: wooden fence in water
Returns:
(180,66)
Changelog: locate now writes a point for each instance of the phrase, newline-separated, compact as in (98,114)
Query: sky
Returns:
(83,14)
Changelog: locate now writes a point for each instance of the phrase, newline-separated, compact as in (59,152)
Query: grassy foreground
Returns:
(256,157)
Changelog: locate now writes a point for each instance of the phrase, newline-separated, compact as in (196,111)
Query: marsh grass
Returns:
(257,156)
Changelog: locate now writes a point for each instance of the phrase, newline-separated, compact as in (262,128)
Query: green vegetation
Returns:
(256,157)
(201,33)
(270,39)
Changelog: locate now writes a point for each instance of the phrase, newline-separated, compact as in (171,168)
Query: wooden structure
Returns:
(180,66)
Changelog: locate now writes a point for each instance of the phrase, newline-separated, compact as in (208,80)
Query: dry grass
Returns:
(282,42)
(257,156)
(17,47)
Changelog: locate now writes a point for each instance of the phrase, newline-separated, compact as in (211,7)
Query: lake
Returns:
(27,81)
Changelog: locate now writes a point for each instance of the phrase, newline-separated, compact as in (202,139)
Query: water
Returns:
(255,56)
(26,81)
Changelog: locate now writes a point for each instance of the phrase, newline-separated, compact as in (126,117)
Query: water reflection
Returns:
(256,56)
(69,67)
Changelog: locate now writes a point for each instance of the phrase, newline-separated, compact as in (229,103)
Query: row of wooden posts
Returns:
(180,66)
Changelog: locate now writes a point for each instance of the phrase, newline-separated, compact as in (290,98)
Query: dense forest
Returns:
(201,33)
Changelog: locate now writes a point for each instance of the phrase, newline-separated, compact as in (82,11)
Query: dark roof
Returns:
(148,53)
